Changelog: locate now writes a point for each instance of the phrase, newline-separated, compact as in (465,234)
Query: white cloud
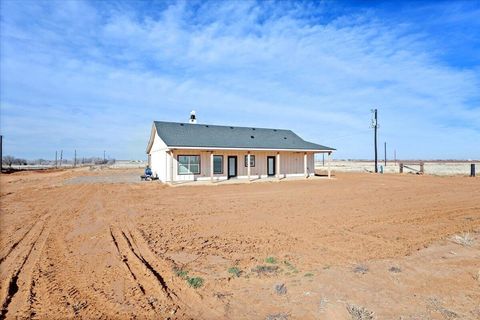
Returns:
(240,63)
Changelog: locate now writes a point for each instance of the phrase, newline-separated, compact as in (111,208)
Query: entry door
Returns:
(271,166)
(232,166)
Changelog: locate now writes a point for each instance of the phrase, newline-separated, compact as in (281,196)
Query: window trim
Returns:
(189,155)
(252,158)
(221,156)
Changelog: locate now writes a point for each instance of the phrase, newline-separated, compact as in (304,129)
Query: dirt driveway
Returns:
(280,250)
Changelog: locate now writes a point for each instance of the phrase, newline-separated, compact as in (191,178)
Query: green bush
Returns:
(235,271)
(195,282)
(271,260)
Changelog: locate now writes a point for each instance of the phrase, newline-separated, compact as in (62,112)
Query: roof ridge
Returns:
(220,125)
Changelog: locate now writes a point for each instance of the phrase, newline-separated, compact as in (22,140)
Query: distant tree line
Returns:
(11,160)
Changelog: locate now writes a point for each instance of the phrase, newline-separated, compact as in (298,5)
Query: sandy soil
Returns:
(302,249)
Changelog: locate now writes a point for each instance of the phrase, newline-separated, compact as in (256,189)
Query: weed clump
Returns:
(195,282)
(360,313)
(271,260)
(181,273)
(465,239)
(235,271)
(360,268)
(265,270)
(395,270)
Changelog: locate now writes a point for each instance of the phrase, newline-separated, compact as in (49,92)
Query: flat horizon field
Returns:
(94,244)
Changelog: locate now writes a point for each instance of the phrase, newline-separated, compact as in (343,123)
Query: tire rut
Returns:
(147,278)
(155,273)
(17,242)
(13,287)
(124,259)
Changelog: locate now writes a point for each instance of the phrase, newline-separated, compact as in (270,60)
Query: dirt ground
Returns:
(359,246)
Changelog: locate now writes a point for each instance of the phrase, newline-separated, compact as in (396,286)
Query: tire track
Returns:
(124,259)
(55,292)
(149,267)
(13,287)
(16,243)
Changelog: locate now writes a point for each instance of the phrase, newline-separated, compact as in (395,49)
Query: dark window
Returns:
(218,164)
(188,164)
(252,161)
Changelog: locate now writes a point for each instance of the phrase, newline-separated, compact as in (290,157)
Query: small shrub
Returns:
(280,289)
(395,269)
(181,273)
(235,271)
(360,313)
(290,266)
(265,270)
(465,239)
(360,268)
(195,282)
(277,316)
(308,274)
(271,260)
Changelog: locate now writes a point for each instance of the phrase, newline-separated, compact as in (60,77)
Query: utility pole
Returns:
(385,152)
(104,156)
(375,127)
(61,157)
(56,157)
(395,156)
(75,159)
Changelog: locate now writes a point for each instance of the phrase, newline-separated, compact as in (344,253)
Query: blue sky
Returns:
(92,76)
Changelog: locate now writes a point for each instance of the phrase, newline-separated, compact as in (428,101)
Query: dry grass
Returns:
(464,239)
(360,268)
(360,313)
(277,316)
(436,305)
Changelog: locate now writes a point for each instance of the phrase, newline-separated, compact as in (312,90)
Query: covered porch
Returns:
(230,165)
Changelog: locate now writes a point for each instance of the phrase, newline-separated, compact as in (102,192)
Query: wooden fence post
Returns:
(401,167)
(421,168)
(472,170)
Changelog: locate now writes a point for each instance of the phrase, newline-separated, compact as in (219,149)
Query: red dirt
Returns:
(110,250)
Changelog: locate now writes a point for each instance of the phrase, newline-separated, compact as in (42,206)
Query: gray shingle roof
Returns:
(204,135)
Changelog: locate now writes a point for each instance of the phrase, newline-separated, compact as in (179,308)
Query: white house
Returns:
(191,151)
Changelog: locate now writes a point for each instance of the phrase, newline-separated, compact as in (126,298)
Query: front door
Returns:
(270,166)
(232,166)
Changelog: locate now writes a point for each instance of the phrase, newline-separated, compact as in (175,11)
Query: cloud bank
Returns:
(92,77)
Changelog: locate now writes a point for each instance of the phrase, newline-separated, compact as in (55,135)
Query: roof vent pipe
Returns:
(193,118)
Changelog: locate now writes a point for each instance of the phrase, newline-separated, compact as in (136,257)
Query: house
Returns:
(191,151)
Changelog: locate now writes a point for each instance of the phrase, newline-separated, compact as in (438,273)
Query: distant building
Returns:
(191,151)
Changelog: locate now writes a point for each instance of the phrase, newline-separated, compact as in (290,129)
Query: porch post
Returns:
(248,165)
(211,166)
(170,164)
(278,165)
(305,165)
(329,159)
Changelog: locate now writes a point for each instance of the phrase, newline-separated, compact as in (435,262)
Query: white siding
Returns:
(291,163)
(158,158)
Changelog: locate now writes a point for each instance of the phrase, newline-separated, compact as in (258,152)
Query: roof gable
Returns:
(176,134)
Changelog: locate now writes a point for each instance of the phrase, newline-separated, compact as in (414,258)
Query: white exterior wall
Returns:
(164,164)
(291,164)
(158,158)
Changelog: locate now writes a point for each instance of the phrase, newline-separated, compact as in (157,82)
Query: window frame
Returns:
(252,159)
(221,168)
(190,172)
